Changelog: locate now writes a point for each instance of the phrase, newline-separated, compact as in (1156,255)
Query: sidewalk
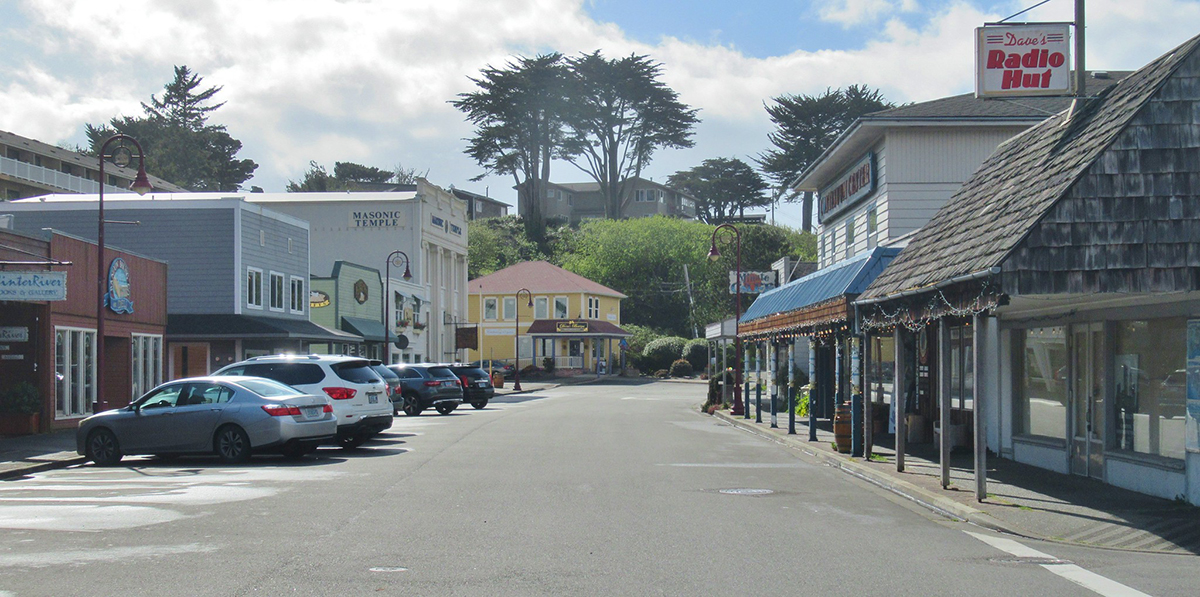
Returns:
(22,455)
(1021,500)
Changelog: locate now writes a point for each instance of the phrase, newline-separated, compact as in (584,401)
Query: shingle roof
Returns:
(539,277)
(968,106)
(985,220)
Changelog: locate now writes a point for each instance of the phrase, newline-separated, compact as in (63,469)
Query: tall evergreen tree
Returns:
(722,188)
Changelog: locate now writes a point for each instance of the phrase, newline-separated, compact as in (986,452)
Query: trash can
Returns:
(497,379)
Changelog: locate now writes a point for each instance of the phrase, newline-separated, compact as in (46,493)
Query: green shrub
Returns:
(681,368)
(22,398)
(548,364)
(696,353)
(660,353)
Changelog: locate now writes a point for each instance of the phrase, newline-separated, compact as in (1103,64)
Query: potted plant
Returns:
(402,324)
(20,409)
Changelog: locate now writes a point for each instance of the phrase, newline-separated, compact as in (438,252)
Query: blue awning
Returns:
(849,277)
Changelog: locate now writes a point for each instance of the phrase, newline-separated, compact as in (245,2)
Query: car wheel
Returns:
(103,448)
(412,405)
(350,442)
(446,409)
(232,444)
(479,404)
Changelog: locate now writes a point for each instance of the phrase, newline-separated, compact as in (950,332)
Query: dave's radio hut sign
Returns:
(1023,60)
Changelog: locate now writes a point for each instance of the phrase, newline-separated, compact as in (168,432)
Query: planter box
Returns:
(18,424)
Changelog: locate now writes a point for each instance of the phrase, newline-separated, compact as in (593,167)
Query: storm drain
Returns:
(388,569)
(745,491)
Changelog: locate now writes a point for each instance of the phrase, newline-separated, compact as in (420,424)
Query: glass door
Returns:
(1087,399)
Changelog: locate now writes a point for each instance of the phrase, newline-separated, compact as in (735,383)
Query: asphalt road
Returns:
(583,490)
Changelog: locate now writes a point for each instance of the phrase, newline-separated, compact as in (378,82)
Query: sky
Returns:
(369,81)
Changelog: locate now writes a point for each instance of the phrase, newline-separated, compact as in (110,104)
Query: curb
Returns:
(937,504)
(23,468)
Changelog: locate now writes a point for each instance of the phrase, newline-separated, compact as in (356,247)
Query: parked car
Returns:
(360,401)
(424,386)
(390,378)
(504,367)
(230,416)
(477,387)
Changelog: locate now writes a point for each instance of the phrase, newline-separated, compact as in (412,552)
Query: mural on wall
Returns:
(119,297)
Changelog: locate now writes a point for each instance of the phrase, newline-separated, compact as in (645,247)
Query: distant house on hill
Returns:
(579,201)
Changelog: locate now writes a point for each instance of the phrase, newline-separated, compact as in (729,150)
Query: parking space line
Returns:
(1072,572)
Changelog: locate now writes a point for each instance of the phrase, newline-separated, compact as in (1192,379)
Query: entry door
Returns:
(1087,399)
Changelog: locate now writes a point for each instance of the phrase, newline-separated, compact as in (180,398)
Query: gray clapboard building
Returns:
(238,284)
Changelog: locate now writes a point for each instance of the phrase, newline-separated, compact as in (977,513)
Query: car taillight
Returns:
(340,393)
(283,410)
(432,383)
(328,408)
(463,380)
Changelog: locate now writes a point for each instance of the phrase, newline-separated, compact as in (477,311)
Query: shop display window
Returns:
(147,363)
(1149,386)
(75,368)
(1040,381)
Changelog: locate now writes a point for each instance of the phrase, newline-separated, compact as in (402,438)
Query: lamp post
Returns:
(122,157)
(517,335)
(393,257)
(713,255)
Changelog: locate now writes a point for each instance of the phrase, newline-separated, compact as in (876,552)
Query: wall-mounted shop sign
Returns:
(753,282)
(33,286)
(1022,60)
(360,291)
(14,334)
(498,331)
(857,183)
(317,299)
(456,230)
(571,327)
(120,295)
(376,219)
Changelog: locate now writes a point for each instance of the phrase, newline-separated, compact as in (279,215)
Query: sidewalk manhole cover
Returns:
(388,569)
(745,491)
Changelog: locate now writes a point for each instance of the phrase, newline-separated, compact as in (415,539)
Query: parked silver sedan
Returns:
(228,415)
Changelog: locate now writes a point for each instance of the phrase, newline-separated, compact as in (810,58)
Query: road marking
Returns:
(1084,578)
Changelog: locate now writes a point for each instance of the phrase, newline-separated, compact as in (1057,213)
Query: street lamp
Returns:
(517,334)
(713,255)
(122,157)
(393,257)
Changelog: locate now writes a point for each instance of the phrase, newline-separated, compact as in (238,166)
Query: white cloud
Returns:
(369,81)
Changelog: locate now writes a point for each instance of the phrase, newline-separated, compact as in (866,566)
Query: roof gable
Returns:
(1015,188)
(539,277)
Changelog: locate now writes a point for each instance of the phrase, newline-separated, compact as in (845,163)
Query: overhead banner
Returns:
(753,282)
(1023,60)
(33,286)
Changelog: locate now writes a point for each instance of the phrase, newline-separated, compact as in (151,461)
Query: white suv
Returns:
(359,396)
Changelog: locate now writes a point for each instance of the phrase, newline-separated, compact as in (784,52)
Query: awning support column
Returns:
(899,385)
(943,348)
(792,386)
(774,382)
(979,411)
(868,397)
(812,391)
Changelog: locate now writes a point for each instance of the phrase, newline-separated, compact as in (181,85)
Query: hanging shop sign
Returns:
(578,327)
(466,337)
(33,286)
(360,291)
(317,299)
(120,295)
(856,183)
(753,282)
(1023,60)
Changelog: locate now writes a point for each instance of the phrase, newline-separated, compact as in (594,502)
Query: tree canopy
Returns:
(180,145)
(619,114)
(349,176)
(807,125)
(722,188)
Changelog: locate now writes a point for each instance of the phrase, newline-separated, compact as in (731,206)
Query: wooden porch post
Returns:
(868,398)
(980,423)
(898,387)
(944,362)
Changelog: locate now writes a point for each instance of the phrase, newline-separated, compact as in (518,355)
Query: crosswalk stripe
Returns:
(1084,578)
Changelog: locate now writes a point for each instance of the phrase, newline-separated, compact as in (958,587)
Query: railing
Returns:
(53,178)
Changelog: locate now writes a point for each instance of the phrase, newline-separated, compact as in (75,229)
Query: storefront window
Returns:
(962,368)
(75,363)
(881,376)
(1040,381)
(1149,386)
(147,363)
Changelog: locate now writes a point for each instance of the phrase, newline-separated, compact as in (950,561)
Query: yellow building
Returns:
(548,313)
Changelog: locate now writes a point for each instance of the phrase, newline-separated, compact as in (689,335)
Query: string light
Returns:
(916,318)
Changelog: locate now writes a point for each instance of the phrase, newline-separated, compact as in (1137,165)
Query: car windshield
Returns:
(442,372)
(385,373)
(291,374)
(269,388)
(356,372)
(471,372)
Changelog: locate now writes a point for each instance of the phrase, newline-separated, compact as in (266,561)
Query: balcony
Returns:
(55,180)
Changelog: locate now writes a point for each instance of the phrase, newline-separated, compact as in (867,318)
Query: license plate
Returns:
(372,397)
(447,384)
(313,412)
(481,383)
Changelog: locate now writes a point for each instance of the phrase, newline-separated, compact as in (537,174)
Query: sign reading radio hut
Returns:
(1022,60)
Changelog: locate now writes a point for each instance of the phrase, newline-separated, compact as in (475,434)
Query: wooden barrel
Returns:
(841,427)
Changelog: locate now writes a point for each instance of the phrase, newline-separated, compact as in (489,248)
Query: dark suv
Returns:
(477,387)
(390,378)
(425,385)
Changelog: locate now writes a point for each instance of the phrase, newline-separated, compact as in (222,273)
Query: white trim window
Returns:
(541,308)
(147,363)
(510,308)
(254,284)
(276,290)
(850,238)
(489,309)
(593,308)
(872,227)
(75,371)
(560,307)
(298,295)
